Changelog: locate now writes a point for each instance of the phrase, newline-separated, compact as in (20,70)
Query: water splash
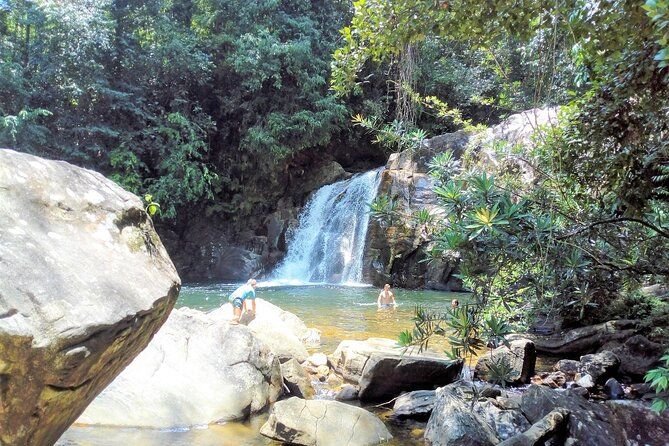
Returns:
(328,244)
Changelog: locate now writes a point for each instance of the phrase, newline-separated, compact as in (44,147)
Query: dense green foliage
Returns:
(579,238)
(190,100)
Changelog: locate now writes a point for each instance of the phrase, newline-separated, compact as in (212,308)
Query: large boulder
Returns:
(637,424)
(601,366)
(637,355)
(589,422)
(350,357)
(85,282)
(198,369)
(283,332)
(613,423)
(520,356)
(382,370)
(454,423)
(323,423)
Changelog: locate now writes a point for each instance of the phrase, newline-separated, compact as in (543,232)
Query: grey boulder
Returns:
(85,282)
(417,404)
(521,356)
(323,423)
(198,369)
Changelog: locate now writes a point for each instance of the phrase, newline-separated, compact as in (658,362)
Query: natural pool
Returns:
(340,312)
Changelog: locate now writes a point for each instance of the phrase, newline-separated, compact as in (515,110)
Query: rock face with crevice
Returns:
(323,423)
(396,250)
(85,282)
(198,369)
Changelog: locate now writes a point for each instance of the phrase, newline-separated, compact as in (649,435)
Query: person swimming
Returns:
(240,297)
(386,298)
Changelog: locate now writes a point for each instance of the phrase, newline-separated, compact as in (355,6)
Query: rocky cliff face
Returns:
(395,252)
(214,249)
(85,282)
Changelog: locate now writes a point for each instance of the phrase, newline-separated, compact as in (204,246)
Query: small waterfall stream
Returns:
(328,244)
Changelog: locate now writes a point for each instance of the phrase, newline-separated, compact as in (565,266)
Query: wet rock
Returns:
(333,380)
(569,367)
(589,422)
(386,376)
(586,382)
(85,282)
(350,357)
(452,421)
(384,370)
(347,392)
(546,428)
(521,356)
(296,379)
(600,366)
(637,355)
(583,340)
(613,389)
(323,423)
(418,404)
(504,421)
(636,424)
(194,357)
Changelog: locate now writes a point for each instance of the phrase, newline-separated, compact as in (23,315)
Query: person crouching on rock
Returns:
(386,298)
(239,299)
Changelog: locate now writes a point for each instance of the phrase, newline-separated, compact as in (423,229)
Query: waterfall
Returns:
(329,242)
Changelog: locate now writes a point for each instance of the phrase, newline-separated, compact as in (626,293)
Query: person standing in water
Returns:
(240,298)
(386,298)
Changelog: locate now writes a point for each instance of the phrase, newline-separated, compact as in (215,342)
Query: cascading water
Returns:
(328,244)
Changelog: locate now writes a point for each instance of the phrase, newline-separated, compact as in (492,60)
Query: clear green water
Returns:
(339,312)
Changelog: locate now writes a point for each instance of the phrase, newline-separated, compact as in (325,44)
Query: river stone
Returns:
(600,366)
(637,356)
(636,424)
(198,369)
(504,422)
(282,331)
(454,423)
(417,404)
(589,423)
(323,423)
(540,432)
(567,366)
(350,357)
(84,284)
(520,355)
(347,393)
(614,389)
(296,379)
(386,376)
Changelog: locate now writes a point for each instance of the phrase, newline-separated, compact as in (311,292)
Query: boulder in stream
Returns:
(85,282)
(198,369)
(282,331)
(417,404)
(521,356)
(323,423)
(296,379)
